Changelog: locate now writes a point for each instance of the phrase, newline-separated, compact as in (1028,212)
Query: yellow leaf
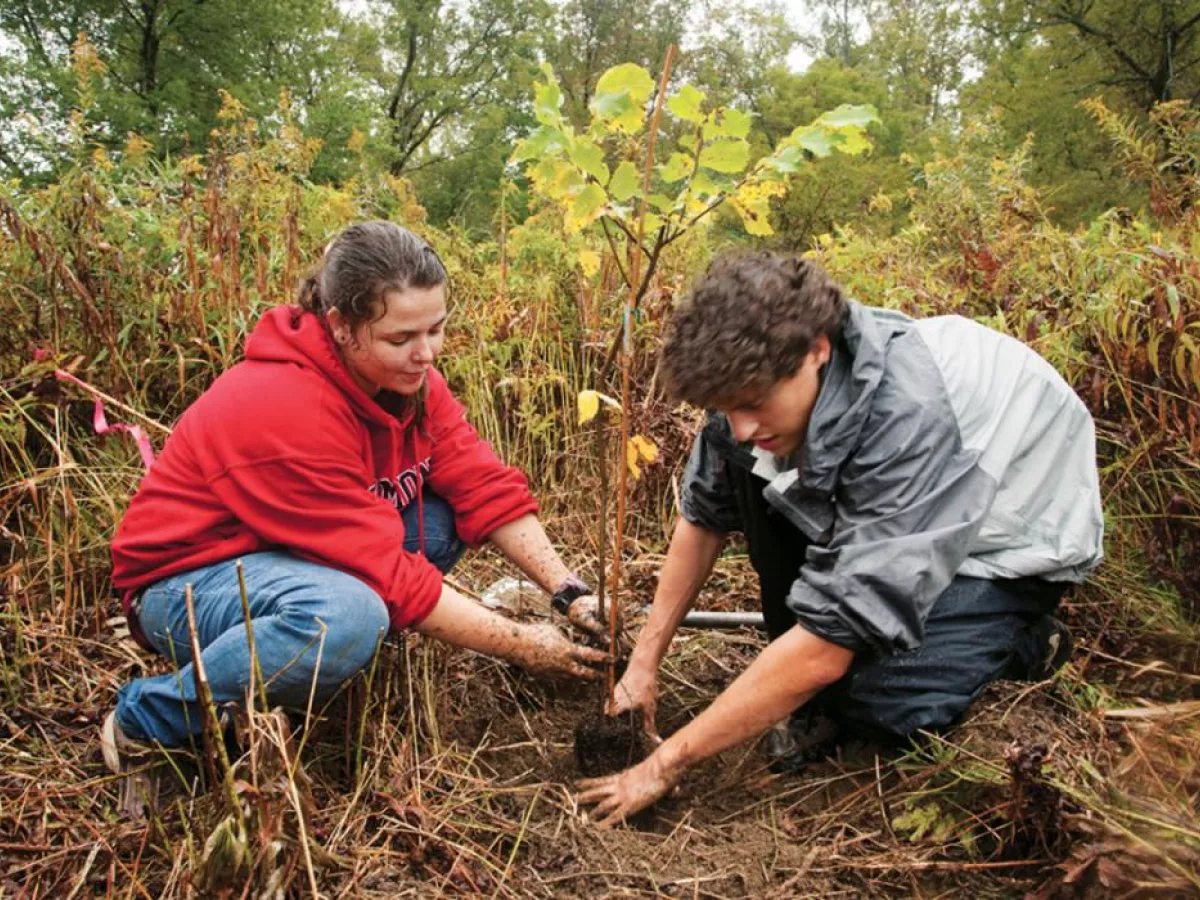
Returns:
(589,405)
(585,207)
(881,202)
(646,448)
(589,261)
(631,458)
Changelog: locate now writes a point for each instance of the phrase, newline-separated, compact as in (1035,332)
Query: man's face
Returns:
(777,419)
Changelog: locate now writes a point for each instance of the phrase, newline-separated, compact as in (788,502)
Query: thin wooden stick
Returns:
(256,676)
(211,723)
(626,369)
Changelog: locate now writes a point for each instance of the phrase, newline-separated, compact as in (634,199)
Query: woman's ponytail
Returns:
(308,296)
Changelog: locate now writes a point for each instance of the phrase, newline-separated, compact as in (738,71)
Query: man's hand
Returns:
(617,797)
(638,689)
(584,613)
(544,650)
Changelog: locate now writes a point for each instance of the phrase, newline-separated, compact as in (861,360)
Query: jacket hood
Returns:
(848,386)
(289,334)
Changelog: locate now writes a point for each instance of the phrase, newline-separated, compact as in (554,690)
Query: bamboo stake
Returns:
(627,366)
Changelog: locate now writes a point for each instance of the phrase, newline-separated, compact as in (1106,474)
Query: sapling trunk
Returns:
(601,445)
(627,368)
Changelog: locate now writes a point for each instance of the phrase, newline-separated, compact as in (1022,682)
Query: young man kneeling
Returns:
(915,495)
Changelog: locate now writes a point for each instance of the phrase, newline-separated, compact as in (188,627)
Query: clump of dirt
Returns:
(1036,806)
(606,744)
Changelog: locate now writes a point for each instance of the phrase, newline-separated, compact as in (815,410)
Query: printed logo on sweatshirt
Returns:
(402,489)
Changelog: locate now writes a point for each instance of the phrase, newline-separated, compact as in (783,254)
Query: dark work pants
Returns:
(978,631)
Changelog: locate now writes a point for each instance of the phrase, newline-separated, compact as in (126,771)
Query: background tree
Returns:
(590,36)
(442,64)
(1148,48)
(1031,83)
(165,63)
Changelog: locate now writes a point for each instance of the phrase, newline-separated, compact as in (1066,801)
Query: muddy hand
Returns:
(547,651)
(638,690)
(584,613)
(617,797)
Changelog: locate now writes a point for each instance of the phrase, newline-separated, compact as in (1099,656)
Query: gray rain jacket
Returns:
(936,447)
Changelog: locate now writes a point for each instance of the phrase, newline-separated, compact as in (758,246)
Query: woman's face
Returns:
(394,351)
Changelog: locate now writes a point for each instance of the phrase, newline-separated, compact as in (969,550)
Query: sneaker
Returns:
(120,751)
(131,760)
(806,736)
(1055,639)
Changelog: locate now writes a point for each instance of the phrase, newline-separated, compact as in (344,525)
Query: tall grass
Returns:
(143,277)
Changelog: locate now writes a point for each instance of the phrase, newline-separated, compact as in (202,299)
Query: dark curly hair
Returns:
(749,321)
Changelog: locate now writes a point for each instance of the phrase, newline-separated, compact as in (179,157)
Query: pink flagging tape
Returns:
(100,421)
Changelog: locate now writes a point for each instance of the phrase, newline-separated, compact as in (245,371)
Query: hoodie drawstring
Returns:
(420,492)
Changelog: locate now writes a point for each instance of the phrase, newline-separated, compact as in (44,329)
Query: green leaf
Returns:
(590,159)
(850,116)
(686,104)
(586,207)
(547,99)
(661,202)
(558,179)
(627,78)
(676,168)
(625,182)
(616,111)
(814,139)
(703,185)
(689,142)
(621,95)
(609,106)
(727,122)
(544,140)
(726,155)
(787,159)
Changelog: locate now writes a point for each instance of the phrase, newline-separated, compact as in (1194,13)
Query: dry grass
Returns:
(452,774)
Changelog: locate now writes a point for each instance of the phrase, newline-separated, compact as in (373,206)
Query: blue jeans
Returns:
(290,600)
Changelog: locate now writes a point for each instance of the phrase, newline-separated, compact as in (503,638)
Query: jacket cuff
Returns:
(411,609)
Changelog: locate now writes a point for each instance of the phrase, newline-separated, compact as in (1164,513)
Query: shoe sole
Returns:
(108,744)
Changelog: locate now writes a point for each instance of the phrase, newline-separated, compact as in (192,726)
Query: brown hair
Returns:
(365,262)
(749,321)
(360,266)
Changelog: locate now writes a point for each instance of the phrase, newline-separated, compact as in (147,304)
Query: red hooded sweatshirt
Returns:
(286,452)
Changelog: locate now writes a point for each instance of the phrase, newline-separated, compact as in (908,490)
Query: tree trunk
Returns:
(151,43)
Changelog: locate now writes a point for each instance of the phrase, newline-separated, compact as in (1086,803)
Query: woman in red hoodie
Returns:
(336,466)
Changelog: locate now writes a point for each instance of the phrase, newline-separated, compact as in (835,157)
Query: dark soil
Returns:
(607,744)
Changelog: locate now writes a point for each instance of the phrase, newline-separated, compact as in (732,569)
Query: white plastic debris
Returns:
(512,594)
